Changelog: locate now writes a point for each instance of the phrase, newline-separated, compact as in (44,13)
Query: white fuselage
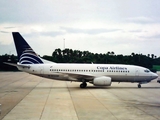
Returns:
(78,72)
(97,74)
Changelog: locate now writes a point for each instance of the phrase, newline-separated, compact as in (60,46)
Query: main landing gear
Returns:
(139,85)
(83,85)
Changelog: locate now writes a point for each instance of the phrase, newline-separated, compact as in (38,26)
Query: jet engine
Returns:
(102,81)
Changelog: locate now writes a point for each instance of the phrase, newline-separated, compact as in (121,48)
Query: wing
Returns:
(79,76)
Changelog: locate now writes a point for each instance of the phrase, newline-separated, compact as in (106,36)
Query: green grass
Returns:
(156,67)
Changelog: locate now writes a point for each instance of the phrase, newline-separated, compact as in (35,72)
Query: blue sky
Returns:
(122,26)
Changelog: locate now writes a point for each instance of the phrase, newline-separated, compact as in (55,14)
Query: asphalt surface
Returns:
(27,97)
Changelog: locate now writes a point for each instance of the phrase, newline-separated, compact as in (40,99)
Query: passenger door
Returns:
(136,74)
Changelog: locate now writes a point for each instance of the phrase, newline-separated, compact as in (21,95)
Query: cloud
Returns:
(136,31)
(97,26)
(89,31)
(4,32)
(152,37)
(141,20)
(9,27)
(52,33)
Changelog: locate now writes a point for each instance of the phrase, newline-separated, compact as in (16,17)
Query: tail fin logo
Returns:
(29,57)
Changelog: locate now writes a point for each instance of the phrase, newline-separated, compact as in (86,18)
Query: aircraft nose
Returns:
(154,75)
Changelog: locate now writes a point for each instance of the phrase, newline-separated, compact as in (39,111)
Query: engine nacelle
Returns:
(102,81)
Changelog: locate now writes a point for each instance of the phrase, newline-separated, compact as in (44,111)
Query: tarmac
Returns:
(27,97)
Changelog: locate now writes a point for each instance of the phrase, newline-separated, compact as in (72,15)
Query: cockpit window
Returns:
(147,71)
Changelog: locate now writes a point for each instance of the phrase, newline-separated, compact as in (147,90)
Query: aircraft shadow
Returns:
(90,87)
(134,88)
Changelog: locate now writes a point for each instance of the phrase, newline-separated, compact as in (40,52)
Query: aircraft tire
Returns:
(139,85)
(83,85)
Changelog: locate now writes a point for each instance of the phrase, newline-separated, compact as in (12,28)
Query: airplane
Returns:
(96,74)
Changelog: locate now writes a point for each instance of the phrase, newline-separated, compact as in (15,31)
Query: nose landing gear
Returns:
(139,85)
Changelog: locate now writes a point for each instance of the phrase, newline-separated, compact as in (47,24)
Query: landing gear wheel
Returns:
(83,85)
(139,85)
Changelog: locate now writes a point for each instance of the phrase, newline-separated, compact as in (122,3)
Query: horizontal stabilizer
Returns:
(17,65)
(12,64)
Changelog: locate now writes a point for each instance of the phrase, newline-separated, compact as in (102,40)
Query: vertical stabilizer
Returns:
(26,54)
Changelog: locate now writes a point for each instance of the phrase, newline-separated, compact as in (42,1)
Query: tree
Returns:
(152,56)
(112,53)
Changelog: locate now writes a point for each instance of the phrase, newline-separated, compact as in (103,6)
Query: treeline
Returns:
(8,58)
(76,56)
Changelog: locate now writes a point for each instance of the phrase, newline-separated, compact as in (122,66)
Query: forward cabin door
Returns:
(136,74)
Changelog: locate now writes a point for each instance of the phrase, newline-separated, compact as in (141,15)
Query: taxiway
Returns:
(27,97)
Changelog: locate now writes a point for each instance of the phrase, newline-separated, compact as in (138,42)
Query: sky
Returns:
(99,26)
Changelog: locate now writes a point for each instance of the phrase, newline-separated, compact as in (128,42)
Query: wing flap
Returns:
(79,76)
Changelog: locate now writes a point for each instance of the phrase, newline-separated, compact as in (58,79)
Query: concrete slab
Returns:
(27,97)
